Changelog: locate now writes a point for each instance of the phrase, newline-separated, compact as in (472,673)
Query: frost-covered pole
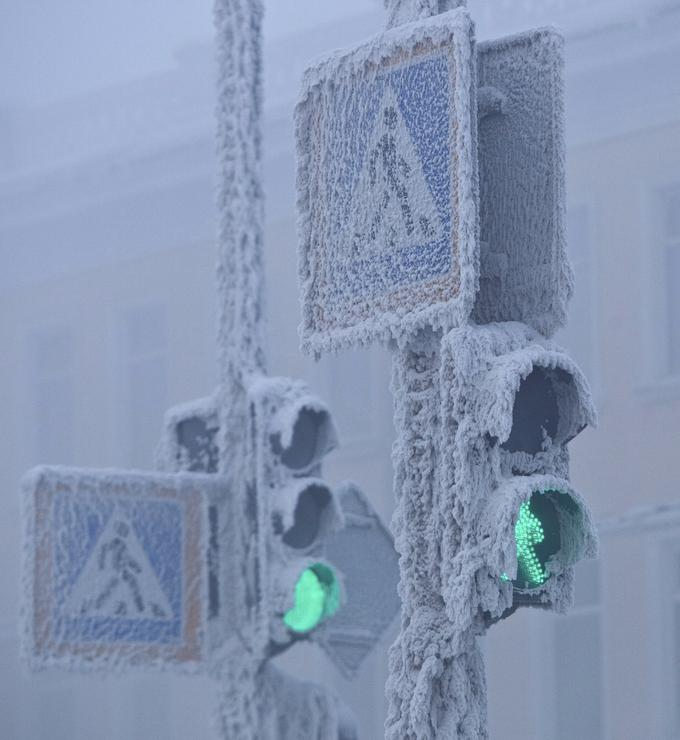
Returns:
(419,226)
(240,283)
(436,687)
(240,196)
(403,11)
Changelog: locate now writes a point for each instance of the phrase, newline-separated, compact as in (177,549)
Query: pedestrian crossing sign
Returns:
(118,571)
(387,186)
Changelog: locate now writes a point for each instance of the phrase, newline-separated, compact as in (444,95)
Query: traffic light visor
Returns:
(536,528)
(302,434)
(534,398)
(305,512)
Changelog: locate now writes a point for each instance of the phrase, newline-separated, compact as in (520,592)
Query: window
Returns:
(578,660)
(146,352)
(51,377)
(670,264)
(578,337)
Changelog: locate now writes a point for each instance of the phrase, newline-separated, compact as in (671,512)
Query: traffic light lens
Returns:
(535,414)
(311,510)
(537,537)
(317,597)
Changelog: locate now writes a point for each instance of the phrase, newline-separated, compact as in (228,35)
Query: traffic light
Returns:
(512,400)
(292,432)
(328,563)
(190,437)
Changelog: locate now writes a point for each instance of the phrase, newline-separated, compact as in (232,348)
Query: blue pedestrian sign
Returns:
(119,570)
(388,187)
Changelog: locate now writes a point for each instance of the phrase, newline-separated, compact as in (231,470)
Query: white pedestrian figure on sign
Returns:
(393,203)
(125,569)
(130,587)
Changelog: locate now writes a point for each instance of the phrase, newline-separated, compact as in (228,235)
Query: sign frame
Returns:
(41,646)
(341,308)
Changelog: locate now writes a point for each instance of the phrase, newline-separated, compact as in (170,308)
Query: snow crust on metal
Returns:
(458,496)
(387,186)
(292,709)
(190,437)
(525,273)
(363,551)
(404,11)
(477,472)
(116,570)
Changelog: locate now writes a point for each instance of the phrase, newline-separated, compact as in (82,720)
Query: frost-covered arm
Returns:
(404,11)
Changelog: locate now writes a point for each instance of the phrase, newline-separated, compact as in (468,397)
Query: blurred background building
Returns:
(108,308)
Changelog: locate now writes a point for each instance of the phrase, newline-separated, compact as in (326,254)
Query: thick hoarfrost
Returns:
(458,497)
(525,274)
(95,594)
(372,175)
(404,11)
(240,272)
(436,685)
(193,449)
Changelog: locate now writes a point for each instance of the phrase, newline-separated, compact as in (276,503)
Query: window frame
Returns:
(658,383)
(666,673)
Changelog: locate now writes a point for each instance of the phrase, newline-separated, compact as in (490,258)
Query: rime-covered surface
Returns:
(289,709)
(275,404)
(300,710)
(483,485)
(458,497)
(436,686)
(363,551)
(190,437)
(413,666)
(240,274)
(404,11)
(387,186)
(115,569)
(240,199)
(525,273)
(459,487)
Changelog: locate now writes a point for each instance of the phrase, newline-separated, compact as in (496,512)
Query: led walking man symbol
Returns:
(406,214)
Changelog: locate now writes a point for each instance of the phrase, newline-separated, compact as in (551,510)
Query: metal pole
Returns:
(404,11)
(240,271)
(436,688)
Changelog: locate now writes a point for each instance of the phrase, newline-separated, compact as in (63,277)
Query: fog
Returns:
(108,309)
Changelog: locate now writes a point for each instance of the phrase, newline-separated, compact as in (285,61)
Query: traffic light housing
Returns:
(328,562)
(190,437)
(292,432)
(511,402)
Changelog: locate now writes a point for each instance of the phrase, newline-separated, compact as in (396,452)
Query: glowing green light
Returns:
(317,597)
(537,539)
(529,533)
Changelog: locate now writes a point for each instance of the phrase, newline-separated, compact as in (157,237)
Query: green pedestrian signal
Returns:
(317,597)
(537,537)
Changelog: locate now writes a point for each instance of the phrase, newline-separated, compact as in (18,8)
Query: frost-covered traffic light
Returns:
(322,564)
(292,432)
(512,400)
